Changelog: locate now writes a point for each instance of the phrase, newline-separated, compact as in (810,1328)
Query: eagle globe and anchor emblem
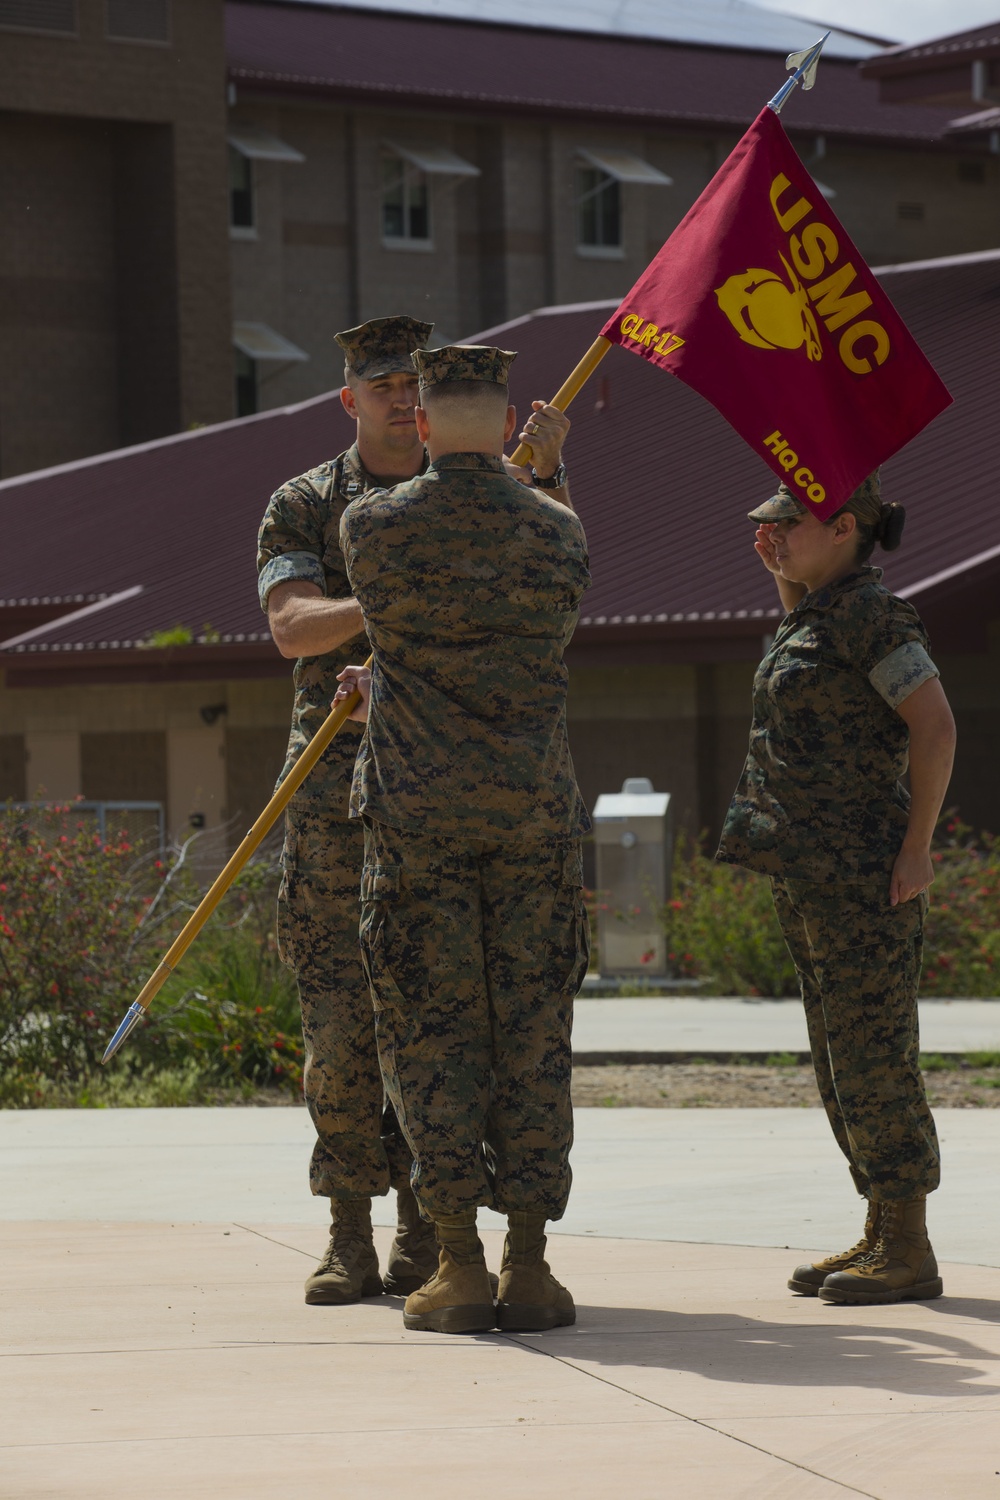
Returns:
(770,313)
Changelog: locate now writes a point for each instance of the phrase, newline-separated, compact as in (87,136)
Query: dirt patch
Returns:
(751,1086)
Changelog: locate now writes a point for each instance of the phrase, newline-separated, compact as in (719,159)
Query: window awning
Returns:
(436,161)
(624,167)
(258,341)
(261,145)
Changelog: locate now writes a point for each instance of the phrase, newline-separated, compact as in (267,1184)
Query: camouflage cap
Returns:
(466,362)
(865,503)
(383,346)
(779,507)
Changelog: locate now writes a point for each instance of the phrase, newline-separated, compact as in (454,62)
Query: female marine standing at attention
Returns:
(846,695)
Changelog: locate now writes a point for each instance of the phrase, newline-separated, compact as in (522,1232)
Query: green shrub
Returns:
(83,924)
(962,934)
(721,927)
(68,923)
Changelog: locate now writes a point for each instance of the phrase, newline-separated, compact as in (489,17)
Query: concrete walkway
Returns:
(654,1026)
(159,1344)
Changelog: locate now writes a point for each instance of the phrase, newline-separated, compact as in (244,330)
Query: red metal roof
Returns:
(660,480)
(914,57)
(405,59)
(178,517)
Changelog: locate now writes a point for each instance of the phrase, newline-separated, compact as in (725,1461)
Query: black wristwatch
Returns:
(554,482)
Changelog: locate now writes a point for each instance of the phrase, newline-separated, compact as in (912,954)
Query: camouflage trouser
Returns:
(858,961)
(357,1152)
(475,951)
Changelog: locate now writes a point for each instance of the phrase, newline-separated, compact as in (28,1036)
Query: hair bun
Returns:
(889,532)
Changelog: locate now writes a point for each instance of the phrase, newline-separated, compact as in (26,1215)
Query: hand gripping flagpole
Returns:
(805,65)
(272,812)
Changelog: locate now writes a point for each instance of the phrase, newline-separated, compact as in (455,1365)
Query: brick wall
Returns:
(114,274)
(506,242)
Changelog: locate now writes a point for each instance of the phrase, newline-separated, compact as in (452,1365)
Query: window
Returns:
(240,190)
(246,385)
(599,196)
(599,211)
(258,344)
(139,20)
(248,144)
(406,207)
(912,211)
(39,15)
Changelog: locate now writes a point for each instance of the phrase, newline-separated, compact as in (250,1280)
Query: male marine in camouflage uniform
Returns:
(820,808)
(473,927)
(304,588)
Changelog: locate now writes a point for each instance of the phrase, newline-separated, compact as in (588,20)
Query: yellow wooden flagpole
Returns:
(569,388)
(286,791)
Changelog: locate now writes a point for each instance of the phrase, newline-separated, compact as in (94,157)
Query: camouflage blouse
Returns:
(820,797)
(300,539)
(470,584)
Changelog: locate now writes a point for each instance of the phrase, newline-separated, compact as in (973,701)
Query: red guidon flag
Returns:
(760,302)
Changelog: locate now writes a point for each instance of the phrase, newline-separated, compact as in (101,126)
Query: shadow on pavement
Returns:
(830,1349)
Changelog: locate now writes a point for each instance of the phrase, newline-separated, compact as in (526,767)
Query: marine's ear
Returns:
(423,426)
(510,426)
(844,527)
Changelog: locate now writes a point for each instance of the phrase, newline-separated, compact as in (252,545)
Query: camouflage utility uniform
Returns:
(820,809)
(323,856)
(473,927)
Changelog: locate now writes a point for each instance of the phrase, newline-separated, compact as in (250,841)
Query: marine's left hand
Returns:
(911,874)
(545,433)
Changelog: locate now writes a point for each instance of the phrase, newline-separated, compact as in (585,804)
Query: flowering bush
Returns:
(721,926)
(962,935)
(68,920)
(82,925)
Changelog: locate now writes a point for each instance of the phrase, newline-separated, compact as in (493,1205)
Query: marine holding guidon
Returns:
(473,928)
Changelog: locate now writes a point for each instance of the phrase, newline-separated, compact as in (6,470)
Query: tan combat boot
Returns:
(530,1298)
(413,1254)
(901,1268)
(809,1278)
(349,1269)
(458,1298)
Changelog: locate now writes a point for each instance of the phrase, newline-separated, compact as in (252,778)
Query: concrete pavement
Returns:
(160,1345)
(665,1026)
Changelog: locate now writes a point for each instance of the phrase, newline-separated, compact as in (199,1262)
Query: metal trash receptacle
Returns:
(633,839)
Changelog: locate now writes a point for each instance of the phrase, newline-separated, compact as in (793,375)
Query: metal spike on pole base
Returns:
(133,1016)
(220,885)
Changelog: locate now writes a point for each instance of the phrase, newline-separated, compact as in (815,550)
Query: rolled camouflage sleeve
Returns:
(900,673)
(290,543)
(288,568)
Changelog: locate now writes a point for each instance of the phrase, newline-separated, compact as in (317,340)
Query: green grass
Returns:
(139,1087)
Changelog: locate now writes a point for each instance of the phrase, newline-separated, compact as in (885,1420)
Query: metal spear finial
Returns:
(132,1017)
(805,64)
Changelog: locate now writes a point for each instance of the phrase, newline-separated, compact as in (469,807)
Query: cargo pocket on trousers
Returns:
(284,926)
(571,893)
(379,890)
